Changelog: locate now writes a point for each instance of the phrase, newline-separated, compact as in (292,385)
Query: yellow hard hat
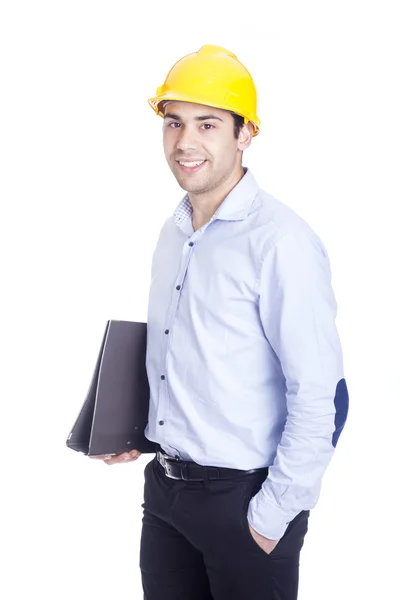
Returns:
(213,76)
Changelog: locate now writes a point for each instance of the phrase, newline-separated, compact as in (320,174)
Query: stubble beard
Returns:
(200,186)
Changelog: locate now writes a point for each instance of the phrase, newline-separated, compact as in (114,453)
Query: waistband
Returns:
(175,468)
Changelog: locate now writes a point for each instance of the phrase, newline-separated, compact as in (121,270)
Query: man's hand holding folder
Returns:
(120,458)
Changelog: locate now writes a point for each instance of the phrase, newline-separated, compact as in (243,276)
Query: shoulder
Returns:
(282,224)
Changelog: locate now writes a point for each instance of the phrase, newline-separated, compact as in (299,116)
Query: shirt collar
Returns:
(235,207)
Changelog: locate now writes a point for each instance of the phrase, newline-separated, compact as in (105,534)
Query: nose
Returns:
(186,139)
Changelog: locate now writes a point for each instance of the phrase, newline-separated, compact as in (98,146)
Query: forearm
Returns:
(298,311)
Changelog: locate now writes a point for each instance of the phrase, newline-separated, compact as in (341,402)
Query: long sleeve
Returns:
(298,311)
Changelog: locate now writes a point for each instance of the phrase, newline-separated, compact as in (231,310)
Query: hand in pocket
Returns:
(265,543)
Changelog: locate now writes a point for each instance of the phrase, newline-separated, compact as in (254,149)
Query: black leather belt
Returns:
(190,471)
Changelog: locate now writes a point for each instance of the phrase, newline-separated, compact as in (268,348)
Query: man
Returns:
(248,396)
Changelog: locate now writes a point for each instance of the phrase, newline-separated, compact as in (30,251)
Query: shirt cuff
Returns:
(267,519)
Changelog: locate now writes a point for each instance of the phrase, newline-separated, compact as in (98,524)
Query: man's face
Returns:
(200,146)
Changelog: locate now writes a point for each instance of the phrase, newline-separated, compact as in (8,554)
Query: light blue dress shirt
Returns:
(243,356)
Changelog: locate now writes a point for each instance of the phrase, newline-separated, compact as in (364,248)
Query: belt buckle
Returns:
(161,459)
(184,472)
(167,471)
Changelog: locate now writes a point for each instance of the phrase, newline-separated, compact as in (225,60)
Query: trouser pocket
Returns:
(293,538)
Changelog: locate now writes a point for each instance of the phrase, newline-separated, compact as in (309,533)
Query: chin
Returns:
(187,185)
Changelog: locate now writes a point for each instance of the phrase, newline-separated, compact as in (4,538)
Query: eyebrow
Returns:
(200,118)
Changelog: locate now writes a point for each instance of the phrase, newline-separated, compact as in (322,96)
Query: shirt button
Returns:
(191,243)
(167,331)
(161,422)
(163,377)
(178,287)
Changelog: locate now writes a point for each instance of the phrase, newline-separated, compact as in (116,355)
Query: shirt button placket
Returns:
(167,331)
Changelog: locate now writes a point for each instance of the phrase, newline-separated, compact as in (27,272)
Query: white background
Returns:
(84,192)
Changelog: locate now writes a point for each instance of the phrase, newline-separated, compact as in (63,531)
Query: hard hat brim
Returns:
(156,104)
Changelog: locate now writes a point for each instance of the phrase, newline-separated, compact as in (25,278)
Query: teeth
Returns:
(191,164)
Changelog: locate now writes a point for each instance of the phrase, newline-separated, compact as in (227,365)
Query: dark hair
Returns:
(238,123)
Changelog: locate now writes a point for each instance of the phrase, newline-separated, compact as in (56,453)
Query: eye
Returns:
(208,126)
(174,124)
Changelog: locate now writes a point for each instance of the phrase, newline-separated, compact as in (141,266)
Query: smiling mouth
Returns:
(191,163)
(190,166)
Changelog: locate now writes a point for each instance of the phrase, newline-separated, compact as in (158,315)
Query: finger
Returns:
(134,454)
(103,457)
(129,457)
(120,458)
(132,457)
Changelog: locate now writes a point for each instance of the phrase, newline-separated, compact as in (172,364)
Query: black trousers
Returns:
(196,544)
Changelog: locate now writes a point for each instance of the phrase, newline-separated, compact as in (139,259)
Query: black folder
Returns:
(114,414)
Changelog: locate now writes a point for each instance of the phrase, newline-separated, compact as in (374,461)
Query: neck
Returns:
(205,205)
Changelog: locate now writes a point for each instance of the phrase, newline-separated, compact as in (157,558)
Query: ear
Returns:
(245,136)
